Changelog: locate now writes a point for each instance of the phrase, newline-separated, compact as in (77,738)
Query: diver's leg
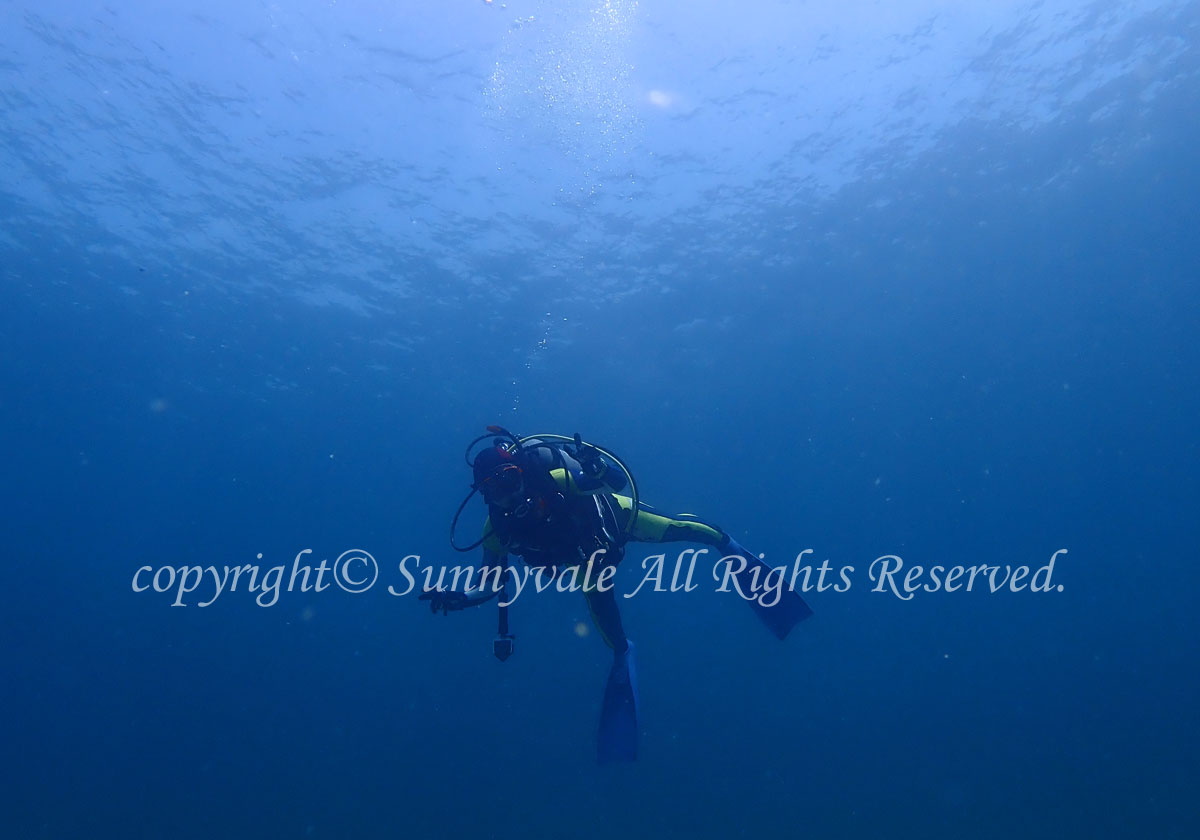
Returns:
(779,618)
(617,736)
(656,528)
(607,618)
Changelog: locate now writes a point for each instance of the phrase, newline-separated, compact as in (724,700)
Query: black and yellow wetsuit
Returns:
(569,519)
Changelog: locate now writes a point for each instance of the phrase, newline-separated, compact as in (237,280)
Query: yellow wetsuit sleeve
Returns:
(490,541)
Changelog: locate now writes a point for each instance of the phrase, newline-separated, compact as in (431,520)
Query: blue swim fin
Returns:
(618,736)
(780,617)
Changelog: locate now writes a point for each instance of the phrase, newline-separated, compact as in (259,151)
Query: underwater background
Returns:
(913,278)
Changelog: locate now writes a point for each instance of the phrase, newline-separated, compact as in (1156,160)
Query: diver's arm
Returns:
(482,593)
(451,600)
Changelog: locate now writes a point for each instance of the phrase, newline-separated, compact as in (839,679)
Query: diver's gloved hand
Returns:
(447,601)
(589,458)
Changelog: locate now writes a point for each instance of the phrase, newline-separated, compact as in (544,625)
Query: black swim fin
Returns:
(617,739)
(781,616)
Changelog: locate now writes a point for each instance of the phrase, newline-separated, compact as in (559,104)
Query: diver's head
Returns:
(498,477)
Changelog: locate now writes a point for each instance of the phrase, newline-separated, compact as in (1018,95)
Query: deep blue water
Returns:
(882,279)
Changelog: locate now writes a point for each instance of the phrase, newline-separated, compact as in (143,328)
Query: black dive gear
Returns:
(519,448)
(509,470)
(589,458)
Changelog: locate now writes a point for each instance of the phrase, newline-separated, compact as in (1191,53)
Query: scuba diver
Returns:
(560,504)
